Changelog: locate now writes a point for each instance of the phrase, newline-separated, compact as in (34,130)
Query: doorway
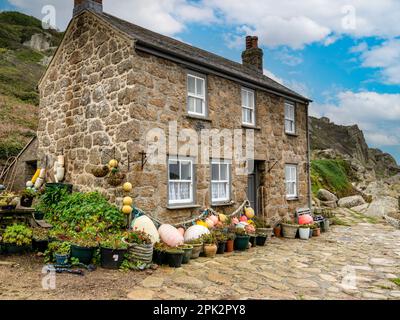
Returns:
(253,184)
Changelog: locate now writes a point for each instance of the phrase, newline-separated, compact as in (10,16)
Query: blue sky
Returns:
(343,54)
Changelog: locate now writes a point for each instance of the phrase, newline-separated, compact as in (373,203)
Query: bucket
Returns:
(112,259)
(84,255)
(241,242)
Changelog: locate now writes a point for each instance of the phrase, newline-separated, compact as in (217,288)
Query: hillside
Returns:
(25,50)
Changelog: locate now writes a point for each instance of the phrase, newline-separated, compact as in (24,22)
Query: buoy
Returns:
(127,187)
(128,201)
(113,163)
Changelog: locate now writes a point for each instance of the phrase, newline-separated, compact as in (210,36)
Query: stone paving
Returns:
(349,262)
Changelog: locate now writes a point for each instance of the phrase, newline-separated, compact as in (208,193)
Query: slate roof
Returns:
(171,46)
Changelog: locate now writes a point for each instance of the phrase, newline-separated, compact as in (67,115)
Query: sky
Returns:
(343,54)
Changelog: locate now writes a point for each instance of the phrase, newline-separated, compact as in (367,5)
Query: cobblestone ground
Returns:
(349,262)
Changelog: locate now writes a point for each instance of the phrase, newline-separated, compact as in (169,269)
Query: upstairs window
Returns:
(196,91)
(291,180)
(290,121)
(180,180)
(248,107)
(220,181)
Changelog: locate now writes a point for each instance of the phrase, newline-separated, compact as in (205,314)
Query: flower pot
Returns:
(241,243)
(278,231)
(311,232)
(316,232)
(260,240)
(253,240)
(160,257)
(112,258)
(289,230)
(40,245)
(60,172)
(267,231)
(325,225)
(304,233)
(187,253)
(38,215)
(26,202)
(229,246)
(197,248)
(210,250)
(221,247)
(14,249)
(61,259)
(175,259)
(83,254)
(140,252)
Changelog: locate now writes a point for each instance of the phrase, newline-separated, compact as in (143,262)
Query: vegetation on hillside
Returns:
(333,175)
(20,70)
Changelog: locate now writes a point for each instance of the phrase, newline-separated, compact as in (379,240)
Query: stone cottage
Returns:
(111,83)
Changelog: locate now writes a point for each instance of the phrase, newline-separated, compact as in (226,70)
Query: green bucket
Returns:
(242,242)
(84,255)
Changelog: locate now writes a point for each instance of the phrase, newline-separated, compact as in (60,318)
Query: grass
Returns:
(396,281)
(339,222)
(333,175)
(363,217)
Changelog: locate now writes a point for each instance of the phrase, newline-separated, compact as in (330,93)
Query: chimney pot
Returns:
(254,42)
(248,42)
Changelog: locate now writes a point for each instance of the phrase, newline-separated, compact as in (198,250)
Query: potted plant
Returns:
(316,231)
(261,239)
(84,245)
(289,229)
(140,247)
(175,257)
(325,225)
(304,231)
(27,197)
(210,245)
(229,242)
(62,252)
(8,201)
(40,239)
(278,231)
(112,252)
(241,240)
(197,245)
(262,227)
(187,252)
(221,241)
(160,253)
(17,239)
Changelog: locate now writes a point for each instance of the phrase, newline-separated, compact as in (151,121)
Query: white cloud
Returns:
(378,115)
(361,47)
(287,57)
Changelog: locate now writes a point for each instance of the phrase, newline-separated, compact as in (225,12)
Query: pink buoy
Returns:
(235,221)
(243,219)
(305,219)
(170,235)
(181,230)
(214,219)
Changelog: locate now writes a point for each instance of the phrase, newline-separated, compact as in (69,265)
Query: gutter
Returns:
(207,68)
(308,166)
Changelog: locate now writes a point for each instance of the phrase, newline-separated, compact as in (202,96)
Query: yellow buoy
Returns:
(113,163)
(127,209)
(249,212)
(127,187)
(35,176)
(127,201)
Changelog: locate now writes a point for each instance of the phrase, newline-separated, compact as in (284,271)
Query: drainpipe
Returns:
(308,158)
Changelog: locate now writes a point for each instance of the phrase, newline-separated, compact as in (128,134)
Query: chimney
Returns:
(94,5)
(252,57)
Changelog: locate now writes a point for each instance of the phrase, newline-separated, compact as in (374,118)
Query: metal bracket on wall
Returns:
(272,166)
(144,158)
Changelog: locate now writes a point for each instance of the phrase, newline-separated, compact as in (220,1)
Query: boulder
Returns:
(382,206)
(361,209)
(350,202)
(328,204)
(326,195)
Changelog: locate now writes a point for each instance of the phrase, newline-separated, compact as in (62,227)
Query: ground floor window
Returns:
(220,181)
(180,180)
(291,180)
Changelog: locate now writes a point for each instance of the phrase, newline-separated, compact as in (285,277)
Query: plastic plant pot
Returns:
(197,248)
(304,233)
(253,241)
(40,245)
(229,246)
(175,258)
(38,215)
(260,240)
(26,202)
(221,247)
(84,255)
(61,259)
(160,257)
(187,253)
(241,243)
(112,259)
(14,249)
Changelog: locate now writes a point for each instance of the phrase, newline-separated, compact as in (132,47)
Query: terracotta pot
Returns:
(229,246)
(210,250)
(316,232)
(278,232)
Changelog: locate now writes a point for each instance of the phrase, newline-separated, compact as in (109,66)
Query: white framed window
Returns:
(180,180)
(220,181)
(291,180)
(248,107)
(196,91)
(290,118)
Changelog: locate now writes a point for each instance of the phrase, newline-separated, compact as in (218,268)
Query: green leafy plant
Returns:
(175,250)
(18,234)
(29,193)
(305,226)
(209,238)
(261,223)
(113,242)
(220,236)
(231,236)
(87,238)
(40,234)
(138,237)
(160,246)
(56,247)
(240,232)
(195,241)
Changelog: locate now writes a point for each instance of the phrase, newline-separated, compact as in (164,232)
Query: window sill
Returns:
(182,206)
(248,126)
(194,117)
(222,204)
(292,198)
(291,134)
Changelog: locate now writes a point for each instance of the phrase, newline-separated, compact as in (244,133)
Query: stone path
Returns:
(349,262)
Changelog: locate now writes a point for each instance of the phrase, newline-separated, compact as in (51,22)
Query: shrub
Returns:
(18,234)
